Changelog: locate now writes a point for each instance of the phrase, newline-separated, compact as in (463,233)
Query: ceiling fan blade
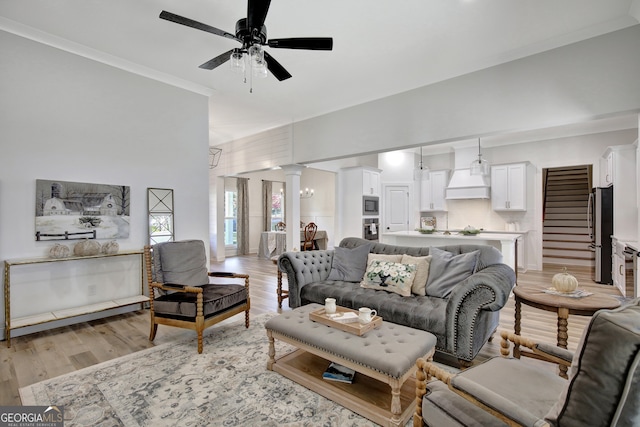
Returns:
(311,43)
(257,13)
(276,69)
(217,61)
(197,25)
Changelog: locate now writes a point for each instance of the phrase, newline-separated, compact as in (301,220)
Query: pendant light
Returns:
(480,166)
(422,172)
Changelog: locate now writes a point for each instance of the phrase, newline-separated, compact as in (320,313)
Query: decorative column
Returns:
(292,205)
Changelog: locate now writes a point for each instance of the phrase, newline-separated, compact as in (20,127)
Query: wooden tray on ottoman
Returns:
(356,328)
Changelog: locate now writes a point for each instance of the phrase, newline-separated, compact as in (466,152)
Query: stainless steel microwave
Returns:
(370,205)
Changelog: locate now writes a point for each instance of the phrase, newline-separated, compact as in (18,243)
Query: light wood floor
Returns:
(36,357)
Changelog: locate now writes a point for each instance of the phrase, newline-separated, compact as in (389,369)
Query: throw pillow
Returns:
(349,264)
(383,257)
(390,276)
(422,272)
(447,270)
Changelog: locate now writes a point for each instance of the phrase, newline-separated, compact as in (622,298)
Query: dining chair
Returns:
(309,237)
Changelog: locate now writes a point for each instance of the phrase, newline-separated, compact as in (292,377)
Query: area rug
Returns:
(172,385)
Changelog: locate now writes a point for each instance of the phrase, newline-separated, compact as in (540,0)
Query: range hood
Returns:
(463,185)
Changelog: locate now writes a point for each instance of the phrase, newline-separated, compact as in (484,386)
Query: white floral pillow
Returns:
(389,276)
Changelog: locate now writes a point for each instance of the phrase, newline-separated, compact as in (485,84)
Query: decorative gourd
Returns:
(111,247)
(86,248)
(564,282)
(59,251)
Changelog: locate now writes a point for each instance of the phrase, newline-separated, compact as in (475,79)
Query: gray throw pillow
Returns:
(447,270)
(349,265)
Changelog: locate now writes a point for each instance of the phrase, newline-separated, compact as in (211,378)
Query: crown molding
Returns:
(39,36)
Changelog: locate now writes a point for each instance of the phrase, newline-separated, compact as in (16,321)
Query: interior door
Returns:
(396,208)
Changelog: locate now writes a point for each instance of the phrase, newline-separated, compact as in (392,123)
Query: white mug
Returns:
(330,305)
(366,315)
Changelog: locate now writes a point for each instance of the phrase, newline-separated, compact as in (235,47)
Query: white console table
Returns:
(50,316)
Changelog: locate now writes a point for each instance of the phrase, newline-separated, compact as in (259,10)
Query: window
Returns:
(277,206)
(230,218)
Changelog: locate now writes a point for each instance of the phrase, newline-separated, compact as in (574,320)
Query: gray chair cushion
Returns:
(183,262)
(447,270)
(604,383)
(349,264)
(216,298)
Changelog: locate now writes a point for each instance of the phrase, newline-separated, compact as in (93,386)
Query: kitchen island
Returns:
(505,242)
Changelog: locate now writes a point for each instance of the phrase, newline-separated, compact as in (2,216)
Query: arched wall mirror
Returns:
(160,205)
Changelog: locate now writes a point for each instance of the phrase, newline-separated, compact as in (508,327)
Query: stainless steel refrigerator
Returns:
(600,222)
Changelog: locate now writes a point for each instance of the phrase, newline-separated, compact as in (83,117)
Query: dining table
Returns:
(274,243)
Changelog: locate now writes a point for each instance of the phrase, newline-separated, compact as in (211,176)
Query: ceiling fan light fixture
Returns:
(237,61)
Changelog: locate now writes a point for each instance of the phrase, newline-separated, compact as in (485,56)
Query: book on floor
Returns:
(336,372)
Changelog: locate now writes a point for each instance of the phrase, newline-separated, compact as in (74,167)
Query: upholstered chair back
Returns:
(604,381)
(183,262)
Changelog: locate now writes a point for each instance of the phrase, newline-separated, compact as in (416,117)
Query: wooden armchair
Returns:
(180,292)
(603,387)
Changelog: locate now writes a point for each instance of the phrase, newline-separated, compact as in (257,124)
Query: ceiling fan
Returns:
(252,33)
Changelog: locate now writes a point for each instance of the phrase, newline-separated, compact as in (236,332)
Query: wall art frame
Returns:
(66,210)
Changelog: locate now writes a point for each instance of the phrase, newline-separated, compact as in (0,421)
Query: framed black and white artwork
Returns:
(78,210)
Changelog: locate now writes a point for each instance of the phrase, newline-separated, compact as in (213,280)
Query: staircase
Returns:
(565,238)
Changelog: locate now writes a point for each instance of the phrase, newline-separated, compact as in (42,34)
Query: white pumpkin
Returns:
(86,248)
(111,247)
(59,251)
(564,282)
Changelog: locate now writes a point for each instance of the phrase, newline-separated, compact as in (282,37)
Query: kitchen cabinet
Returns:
(370,182)
(607,170)
(351,185)
(509,187)
(619,170)
(617,264)
(432,191)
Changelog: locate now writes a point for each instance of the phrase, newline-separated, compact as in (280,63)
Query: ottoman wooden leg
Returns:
(396,405)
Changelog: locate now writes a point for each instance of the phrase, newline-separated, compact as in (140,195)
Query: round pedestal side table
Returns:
(535,296)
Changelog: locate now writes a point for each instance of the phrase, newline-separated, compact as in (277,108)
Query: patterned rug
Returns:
(171,384)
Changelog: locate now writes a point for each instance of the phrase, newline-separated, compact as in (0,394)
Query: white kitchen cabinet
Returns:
(606,177)
(621,163)
(509,187)
(432,191)
(370,182)
(351,185)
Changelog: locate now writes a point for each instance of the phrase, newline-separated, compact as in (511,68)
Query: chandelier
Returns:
(307,193)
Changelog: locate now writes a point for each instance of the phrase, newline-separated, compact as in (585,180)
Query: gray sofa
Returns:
(462,322)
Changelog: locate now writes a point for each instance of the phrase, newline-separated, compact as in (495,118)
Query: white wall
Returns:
(69,118)
(590,79)
(594,78)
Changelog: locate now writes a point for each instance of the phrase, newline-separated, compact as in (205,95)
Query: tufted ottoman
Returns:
(384,357)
